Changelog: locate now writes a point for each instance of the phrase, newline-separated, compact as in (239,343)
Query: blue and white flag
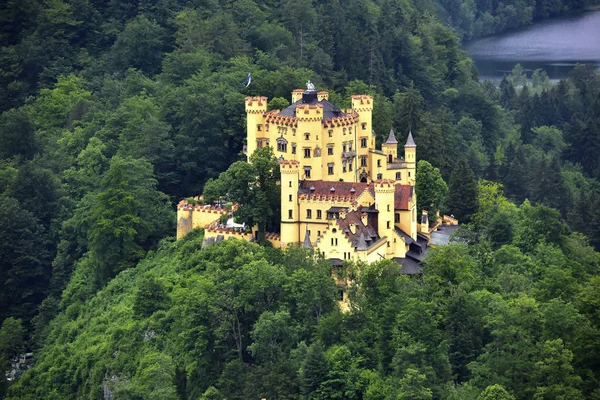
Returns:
(247,81)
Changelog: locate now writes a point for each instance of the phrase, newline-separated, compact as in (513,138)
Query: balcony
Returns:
(349,154)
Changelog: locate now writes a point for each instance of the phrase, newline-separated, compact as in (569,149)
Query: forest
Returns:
(111,112)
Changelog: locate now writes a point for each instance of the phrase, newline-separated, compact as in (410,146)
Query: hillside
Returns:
(239,321)
(113,111)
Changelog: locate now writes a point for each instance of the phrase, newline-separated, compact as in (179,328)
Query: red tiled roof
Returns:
(402,196)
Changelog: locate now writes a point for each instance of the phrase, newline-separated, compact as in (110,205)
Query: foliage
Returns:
(431,188)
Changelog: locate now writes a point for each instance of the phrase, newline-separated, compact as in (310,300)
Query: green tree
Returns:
(495,392)
(128,216)
(17,135)
(462,192)
(431,189)
(412,386)
(254,187)
(24,261)
(140,45)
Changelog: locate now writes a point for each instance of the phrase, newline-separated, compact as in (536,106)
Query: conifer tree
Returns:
(462,201)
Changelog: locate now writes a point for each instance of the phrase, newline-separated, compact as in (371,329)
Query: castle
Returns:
(339,194)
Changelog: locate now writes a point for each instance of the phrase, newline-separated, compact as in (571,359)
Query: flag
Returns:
(247,81)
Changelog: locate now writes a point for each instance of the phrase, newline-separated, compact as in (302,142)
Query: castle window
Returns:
(330,149)
(363,161)
(388,224)
(290,214)
(293,148)
(334,241)
(363,142)
(319,215)
(350,166)
(290,183)
(307,136)
(409,174)
(379,163)
(388,207)
(390,158)
(318,233)
(307,172)
(309,214)
(344,163)
(364,126)
(396,218)
(398,176)
(291,199)
(267,127)
(330,132)
(259,127)
(282,146)
(307,152)
(344,147)
(350,146)
(330,168)
(379,176)
(344,131)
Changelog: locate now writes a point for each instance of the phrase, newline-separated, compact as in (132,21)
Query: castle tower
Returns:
(363,105)
(255,123)
(384,201)
(410,156)
(290,211)
(390,147)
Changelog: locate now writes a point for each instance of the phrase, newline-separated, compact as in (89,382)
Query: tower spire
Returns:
(410,141)
(391,138)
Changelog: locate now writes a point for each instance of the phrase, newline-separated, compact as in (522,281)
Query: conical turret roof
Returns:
(362,243)
(391,138)
(410,141)
(307,244)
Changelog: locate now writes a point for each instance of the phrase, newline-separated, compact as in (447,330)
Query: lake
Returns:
(555,46)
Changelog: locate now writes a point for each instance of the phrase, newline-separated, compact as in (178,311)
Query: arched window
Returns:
(282,145)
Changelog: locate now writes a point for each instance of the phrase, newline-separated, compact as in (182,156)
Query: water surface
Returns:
(555,46)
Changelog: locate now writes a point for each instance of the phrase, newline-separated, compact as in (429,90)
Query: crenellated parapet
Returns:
(256,105)
(362,102)
(191,216)
(309,112)
(385,186)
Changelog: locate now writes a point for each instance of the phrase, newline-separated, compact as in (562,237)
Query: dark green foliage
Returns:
(431,188)
(111,108)
(462,192)
(24,261)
